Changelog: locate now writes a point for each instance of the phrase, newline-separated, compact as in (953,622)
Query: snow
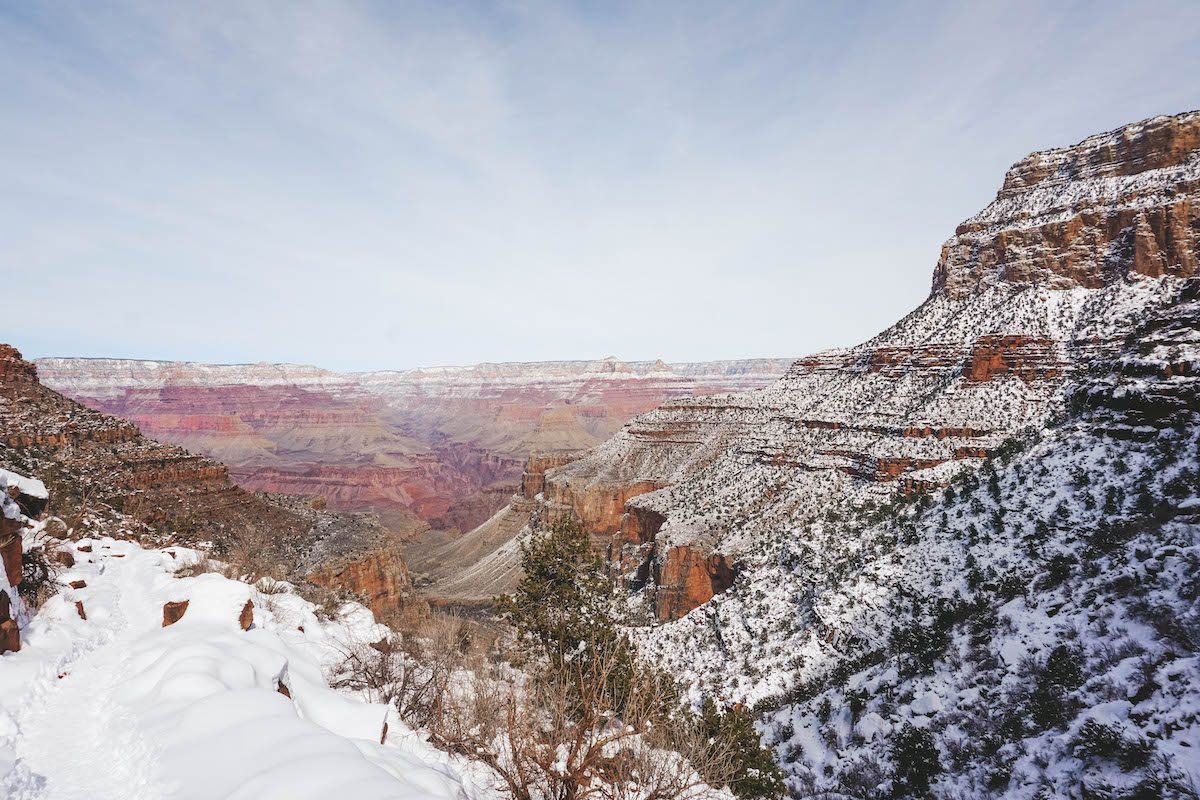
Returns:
(117,706)
(30,486)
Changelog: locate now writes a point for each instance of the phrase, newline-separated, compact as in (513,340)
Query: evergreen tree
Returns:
(756,774)
(917,762)
(562,602)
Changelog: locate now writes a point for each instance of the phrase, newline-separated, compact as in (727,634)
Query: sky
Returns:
(399,184)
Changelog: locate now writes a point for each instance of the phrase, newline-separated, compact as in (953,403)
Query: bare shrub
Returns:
(568,733)
(252,554)
(202,564)
(413,672)
(41,564)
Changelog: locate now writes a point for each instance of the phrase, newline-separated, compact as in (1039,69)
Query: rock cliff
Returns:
(1080,245)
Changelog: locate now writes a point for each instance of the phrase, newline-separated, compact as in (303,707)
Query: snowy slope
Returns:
(118,706)
(945,613)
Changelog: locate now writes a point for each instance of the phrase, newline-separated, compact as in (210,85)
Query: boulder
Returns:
(173,612)
(10,552)
(246,618)
(10,637)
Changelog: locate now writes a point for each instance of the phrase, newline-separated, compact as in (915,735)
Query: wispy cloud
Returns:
(391,184)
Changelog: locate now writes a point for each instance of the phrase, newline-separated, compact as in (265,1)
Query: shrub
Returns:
(754,772)
(1047,704)
(917,762)
(1102,742)
(1059,569)
(40,565)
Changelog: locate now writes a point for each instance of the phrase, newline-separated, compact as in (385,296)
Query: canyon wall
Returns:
(94,464)
(446,444)
(1080,245)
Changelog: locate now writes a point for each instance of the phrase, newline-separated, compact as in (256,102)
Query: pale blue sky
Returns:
(385,185)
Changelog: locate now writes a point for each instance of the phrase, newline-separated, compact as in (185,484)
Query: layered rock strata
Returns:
(435,442)
(1080,245)
(94,462)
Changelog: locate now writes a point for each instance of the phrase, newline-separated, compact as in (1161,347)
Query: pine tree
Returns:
(756,774)
(562,602)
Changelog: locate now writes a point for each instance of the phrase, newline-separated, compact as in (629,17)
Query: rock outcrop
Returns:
(174,611)
(1120,203)
(10,632)
(382,580)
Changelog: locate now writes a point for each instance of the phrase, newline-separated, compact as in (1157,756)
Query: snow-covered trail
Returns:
(77,738)
(117,707)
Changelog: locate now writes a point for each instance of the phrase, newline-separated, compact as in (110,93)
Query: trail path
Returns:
(77,742)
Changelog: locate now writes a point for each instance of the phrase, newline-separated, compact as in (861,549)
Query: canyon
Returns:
(101,471)
(1030,295)
(904,538)
(443,445)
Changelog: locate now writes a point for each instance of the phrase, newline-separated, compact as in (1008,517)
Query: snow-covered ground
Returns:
(117,706)
(1038,620)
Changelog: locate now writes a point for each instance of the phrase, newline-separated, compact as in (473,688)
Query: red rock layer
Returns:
(381,579)
(687,579)
(15,370)
(443,436)
(102,458)
(533,479)
(1026,357)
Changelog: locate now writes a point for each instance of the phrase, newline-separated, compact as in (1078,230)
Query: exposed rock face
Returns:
(1119,203)
(10,633)
(15,370)
(10,553)
(246,618)
(1081,245)
(601,508)
(173,612)
(533,479)
(429,441)
(10,637)
(381,578)
(687,580)
(471,511)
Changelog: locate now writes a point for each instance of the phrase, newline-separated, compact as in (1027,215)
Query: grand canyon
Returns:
(956,559)
(447,445)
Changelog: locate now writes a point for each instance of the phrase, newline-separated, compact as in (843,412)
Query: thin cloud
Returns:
(374,185)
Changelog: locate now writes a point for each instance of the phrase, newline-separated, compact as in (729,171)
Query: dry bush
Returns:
(376,670)
(41,564)
(413,672)
(566,734)
(253,554)
(204,563)
(327,600)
